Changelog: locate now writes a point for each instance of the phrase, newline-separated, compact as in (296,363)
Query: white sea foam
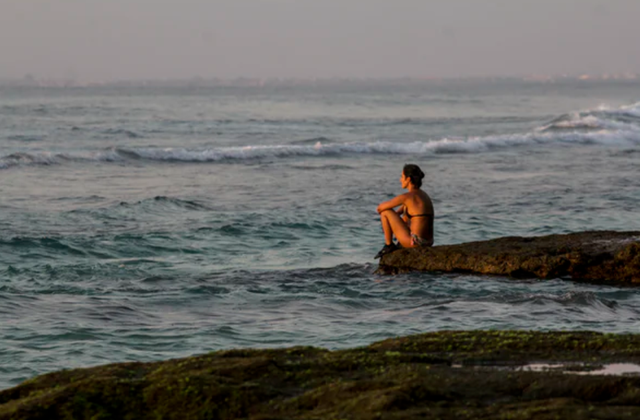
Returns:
(604,117)
(577,121)
(632,110)
(445,145)
(247,153)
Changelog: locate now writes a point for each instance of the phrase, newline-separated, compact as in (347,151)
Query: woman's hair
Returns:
(415,173)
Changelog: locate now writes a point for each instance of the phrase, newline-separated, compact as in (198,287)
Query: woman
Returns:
(416,227)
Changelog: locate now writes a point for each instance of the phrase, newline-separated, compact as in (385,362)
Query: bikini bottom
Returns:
(419,241)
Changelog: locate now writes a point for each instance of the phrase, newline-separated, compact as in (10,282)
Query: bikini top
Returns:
(418,215)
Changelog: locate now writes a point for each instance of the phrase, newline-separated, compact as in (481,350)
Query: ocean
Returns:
(147,223)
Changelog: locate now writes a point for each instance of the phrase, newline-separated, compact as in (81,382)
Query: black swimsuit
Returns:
(415,239)
(417,215)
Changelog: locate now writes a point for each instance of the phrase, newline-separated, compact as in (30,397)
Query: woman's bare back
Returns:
(420,213)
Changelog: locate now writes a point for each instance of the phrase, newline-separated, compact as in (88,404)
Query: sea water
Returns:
(146,223)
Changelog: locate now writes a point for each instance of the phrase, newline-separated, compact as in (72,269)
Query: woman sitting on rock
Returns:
(412,222)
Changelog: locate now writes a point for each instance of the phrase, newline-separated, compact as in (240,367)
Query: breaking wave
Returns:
(603,126)
(625,118)
(249,153)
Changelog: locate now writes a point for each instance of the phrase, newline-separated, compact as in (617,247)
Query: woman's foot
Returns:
(386,250)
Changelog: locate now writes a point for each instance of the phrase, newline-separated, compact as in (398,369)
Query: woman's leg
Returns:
(392,224)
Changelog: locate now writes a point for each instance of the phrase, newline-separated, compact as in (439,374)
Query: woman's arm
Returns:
(391,204)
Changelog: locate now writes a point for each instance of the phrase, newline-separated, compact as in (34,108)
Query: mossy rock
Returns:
(447,375)
(597,256)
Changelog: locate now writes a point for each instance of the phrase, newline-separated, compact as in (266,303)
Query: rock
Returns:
(592,256)
(446,375)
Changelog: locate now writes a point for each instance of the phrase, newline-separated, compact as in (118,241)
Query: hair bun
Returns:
(414,172)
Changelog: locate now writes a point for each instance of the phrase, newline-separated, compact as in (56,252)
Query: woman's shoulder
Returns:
(422,194)
(404,196)
(424,197)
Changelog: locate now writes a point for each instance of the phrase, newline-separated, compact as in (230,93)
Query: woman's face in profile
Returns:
(404,181)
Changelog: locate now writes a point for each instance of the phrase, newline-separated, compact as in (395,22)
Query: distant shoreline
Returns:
(31,81)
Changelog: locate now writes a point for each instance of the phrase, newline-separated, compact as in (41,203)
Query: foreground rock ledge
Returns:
(446,375)
(593,256)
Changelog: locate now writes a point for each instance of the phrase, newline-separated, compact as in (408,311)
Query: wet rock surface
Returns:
(592,256)
(447,375)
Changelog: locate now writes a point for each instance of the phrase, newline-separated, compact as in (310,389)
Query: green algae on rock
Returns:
(591,256)
(447,375)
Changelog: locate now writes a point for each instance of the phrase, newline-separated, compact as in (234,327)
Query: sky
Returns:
(103,40)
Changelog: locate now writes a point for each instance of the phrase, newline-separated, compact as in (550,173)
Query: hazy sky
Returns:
(133,39)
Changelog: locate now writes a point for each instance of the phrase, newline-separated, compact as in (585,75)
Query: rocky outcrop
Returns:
(444,375)
(591,256)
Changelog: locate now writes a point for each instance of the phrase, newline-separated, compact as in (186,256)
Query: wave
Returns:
(54,158)
(625,118)
(167,202)
(20,158)
(251,153)
(25,138)
(312,141)
(628,110)
(143,211)
(604,126)
(119,132)
(571,299)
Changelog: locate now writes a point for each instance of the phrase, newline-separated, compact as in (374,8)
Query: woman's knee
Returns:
(385,213)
